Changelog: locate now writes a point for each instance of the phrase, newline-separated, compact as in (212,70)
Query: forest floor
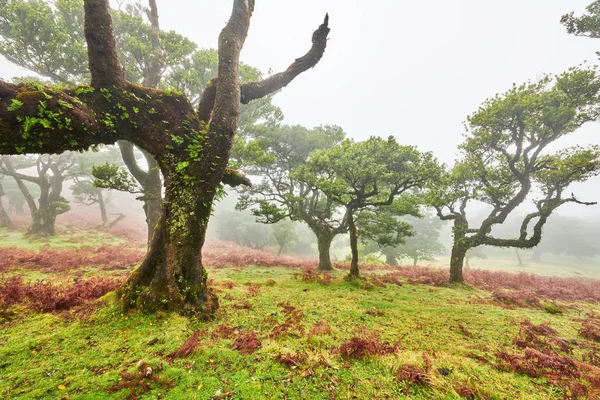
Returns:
(284,331)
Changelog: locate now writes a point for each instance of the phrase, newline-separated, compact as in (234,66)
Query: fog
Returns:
(414,70)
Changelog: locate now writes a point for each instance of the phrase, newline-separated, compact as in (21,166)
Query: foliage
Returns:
(372,179)
(44,296)
(111,176)
(54,260)
(506,157)
(273,153)
(585,25)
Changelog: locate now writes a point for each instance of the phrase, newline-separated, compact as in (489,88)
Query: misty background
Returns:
(414,70)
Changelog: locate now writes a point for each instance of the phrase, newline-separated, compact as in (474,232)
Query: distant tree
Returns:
(51,173)
(273,153)
(424,244)
(4,218)
(506,156)
(373,178)
(241,228)
(284,234)
(84,190)
(475,252)
(568,236)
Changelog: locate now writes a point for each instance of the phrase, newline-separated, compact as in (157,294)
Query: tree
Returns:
(424,244)
(84,190)
(4,218)
(51,173)
(54,47)
(284,234)
(506,157)
(240,227)
(371,180)
(191,146)
(274,153)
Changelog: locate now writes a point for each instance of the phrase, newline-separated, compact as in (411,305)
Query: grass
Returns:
(282,332)
(435,328)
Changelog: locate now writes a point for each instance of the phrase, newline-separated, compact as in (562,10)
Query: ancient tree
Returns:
(372,180)
(54,48)
(273,153)
(507,157)
(51,172)
(191,145)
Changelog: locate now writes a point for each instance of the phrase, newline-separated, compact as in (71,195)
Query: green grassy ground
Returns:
(80,357)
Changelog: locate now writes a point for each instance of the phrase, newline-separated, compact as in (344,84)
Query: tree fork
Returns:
(192,155)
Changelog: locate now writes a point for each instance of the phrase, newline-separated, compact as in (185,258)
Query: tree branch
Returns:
(256,90)
(105,68)
(153,74)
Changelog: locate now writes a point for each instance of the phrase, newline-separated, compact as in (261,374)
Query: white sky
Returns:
(412,69)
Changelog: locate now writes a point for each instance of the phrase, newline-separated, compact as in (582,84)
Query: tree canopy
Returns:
(371,177)
(506,155)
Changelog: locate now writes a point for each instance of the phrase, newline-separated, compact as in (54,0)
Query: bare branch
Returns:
(153,74)
(256,90)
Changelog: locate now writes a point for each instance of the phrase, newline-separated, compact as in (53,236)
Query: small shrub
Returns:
(590,328)
(227,284)
(253,290)
(552,309)
(291,324)
(375,312)
(296,359)
(223,332)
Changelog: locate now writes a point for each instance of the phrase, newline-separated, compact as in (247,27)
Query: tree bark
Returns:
(102,207)
(354,272)
(415,261)
(457,259)
(324,240)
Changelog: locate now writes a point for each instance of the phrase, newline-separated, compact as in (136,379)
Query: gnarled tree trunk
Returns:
(354,272)
(324,240)
(191,146)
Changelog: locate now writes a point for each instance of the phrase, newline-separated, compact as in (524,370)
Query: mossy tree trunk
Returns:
(457,259)
(353,230)
(324,239)
(191,146)
(149,180)
(460,247)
